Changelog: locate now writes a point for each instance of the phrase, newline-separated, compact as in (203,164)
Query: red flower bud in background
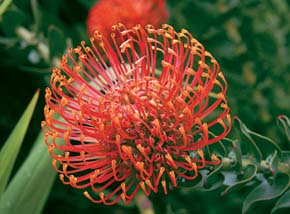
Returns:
(127,125)
(106,13)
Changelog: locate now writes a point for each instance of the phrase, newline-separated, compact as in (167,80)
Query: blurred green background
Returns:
(249,38)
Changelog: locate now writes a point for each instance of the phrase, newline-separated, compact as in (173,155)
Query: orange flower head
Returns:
(106,13)
(127,125)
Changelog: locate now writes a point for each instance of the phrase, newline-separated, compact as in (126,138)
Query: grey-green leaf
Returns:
(251,145)
(284,124)
(266,191)
(9,152)
(283,203)
(213,180)
(248,174)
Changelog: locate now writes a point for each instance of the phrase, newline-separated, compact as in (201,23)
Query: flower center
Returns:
(149,122)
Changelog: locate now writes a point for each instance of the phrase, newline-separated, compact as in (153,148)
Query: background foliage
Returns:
(251,41)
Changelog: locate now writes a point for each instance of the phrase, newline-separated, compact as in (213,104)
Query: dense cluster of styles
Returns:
(128,125)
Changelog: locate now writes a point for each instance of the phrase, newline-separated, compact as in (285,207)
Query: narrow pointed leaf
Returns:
(4,5)
(9,152)
(30,187)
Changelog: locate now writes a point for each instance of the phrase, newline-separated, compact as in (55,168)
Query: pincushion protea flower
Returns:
(106,13)
(127,125)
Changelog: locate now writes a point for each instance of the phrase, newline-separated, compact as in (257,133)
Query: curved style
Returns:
(127,125)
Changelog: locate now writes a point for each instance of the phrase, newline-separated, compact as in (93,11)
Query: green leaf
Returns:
(272,162)
(284,125)
(238,153)
(283,203)
(216,148)
(30,187)
(213,183)
(262,146)
(9,152)
(213,180)
(247,175)
(266,145)
(4,5)
(266,191)
(220,148)
(252,149)
(285,156)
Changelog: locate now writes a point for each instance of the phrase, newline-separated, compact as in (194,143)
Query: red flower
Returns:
(126,124)
(106,13)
